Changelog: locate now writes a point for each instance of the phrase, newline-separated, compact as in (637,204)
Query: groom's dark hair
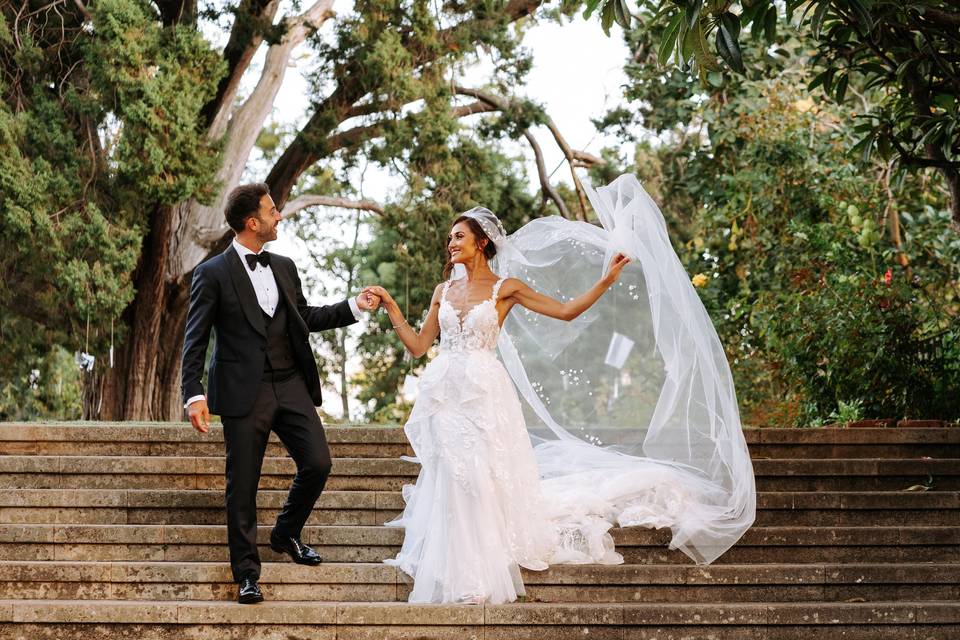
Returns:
(244,202)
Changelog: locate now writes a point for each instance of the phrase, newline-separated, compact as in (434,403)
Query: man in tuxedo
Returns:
(262,376)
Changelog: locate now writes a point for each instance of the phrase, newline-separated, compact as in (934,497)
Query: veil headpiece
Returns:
(495,231)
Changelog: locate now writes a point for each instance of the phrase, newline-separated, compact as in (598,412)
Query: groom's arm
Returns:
(331,316)
(203,308)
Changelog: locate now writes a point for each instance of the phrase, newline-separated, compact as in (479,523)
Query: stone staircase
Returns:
(116,530)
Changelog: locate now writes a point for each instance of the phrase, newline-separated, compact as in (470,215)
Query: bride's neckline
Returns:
(464,314)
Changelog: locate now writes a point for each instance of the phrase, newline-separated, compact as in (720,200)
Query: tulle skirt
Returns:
(477,513)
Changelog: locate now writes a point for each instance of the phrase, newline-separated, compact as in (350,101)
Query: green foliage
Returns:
(35,386)
(819,309)
(445,165)
(99,129)
(162,154)
(898,56)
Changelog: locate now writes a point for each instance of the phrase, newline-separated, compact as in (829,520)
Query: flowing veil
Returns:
(631,406)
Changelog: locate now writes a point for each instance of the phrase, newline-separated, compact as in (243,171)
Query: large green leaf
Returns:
(770,24)
(841,90)
(702,53)
(862,14)
(819,16)
(669,39)
(686,44)
(607,16)
(693,13)
(727,42)
(591,6)
(621,14)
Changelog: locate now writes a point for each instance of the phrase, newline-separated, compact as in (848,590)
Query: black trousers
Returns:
(285,407)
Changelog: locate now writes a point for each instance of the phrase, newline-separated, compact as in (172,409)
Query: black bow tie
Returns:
(253,258)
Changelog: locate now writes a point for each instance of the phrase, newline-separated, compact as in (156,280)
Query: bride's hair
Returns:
(489,249)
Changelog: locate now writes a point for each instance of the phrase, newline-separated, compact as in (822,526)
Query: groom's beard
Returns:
(268,235)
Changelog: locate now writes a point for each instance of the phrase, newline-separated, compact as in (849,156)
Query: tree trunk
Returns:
(144,383)
(952,177)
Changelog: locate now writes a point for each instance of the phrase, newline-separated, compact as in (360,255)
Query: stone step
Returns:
(179,439)
(364,582)
(208,543)
(205,620)
(206,506)
(807,443)
(172,472)
(366,441)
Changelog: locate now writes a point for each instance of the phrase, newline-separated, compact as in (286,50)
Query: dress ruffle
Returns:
(477,513)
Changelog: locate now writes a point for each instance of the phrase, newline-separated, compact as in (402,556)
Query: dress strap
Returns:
(496,289)
(443,294)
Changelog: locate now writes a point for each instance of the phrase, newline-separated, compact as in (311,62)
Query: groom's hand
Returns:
(199,415)
(368,301)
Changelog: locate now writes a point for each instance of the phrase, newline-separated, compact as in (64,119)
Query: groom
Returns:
(262,376)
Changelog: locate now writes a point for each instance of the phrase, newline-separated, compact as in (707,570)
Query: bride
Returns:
(486,502)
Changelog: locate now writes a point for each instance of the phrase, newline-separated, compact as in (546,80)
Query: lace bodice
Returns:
(477,330)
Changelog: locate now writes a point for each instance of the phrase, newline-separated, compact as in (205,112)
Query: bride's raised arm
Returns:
(520,293)
(416,343)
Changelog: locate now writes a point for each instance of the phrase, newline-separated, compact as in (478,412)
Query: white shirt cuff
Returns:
(194,399)
(355,308)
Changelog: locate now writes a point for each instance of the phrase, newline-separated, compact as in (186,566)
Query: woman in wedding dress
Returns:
(486,502)
(476,513)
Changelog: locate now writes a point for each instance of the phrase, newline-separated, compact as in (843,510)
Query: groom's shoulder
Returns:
(216,262)
(277,259)
(211,268)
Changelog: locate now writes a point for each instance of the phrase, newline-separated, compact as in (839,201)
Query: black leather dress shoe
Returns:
(293,547)
(249,592)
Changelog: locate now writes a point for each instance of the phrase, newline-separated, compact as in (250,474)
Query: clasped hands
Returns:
(368,300)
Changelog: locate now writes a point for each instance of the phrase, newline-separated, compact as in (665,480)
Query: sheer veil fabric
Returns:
(631,406)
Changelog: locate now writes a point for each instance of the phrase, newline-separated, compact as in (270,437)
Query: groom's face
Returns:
(266,220)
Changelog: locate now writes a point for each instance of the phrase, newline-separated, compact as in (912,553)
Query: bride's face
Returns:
(462,243)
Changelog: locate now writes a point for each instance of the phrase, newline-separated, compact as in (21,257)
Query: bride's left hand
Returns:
(381,294)
(616,267)
(368,301)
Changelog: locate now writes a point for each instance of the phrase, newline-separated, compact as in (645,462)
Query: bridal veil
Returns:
(631,406)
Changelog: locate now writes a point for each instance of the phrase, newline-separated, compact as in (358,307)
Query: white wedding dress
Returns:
(630,406)
(477,513)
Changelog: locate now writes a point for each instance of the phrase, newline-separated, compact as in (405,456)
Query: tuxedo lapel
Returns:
(244,289)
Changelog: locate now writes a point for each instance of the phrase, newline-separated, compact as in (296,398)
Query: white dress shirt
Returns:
(268,296)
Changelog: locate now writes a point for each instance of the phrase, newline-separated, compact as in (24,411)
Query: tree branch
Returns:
(252,17)
(83,10)
(941,18)
(205,221)
(299,203)
(174,11)
(257,107)
(301,154)
(574,158)
(545,186)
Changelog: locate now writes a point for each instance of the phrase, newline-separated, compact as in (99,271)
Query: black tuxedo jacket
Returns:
(222,298)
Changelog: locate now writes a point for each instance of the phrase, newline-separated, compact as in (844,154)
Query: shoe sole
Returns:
(309,563)
(250,599)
